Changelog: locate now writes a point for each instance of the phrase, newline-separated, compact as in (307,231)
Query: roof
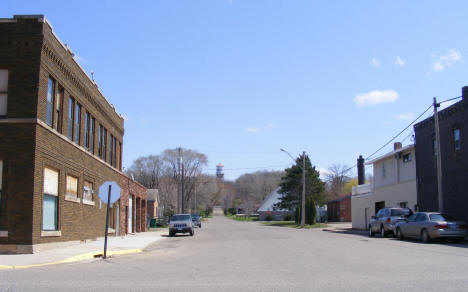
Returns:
(339,199)
(390,154)
(152,194)
(269,202)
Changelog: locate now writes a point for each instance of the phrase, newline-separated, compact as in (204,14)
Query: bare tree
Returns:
(336,177)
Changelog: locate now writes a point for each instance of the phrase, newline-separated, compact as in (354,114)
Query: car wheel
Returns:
(192,232)
(199,226)
(171,234)
(383,233)
(399,234)
(371,233)
(458,240)
(425,236)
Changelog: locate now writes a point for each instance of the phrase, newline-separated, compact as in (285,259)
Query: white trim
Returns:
(87,202)
(390,154)
(51,233)
(72,198)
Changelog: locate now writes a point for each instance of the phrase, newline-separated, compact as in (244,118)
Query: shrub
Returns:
(268,217)
(287,217)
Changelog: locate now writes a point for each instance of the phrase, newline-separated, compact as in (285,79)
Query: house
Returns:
(60,139)
(453,128)
(153,210)
(393,185)
(339,210)
(268,207)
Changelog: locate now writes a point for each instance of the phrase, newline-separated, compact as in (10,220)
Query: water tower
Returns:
(219,170)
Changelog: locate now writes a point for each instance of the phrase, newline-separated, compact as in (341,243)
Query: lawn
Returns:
(292,224)
(243,218)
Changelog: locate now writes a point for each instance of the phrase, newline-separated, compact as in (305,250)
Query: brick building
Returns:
(453,128)
(60,139)
(339,210)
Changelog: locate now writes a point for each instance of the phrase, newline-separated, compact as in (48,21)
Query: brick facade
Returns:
(32,54)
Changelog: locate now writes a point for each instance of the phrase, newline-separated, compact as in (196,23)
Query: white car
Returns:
(181,223)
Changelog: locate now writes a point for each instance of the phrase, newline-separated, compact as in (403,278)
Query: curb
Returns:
(78,258)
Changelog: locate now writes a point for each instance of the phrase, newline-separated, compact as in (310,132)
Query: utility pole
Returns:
(179,205)
(183,187)
(439,158)
(303,190)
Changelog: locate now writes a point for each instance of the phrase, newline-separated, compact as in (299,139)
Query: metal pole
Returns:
(439,158)
(183,182)
(178,184)
(303,190)
(107,221)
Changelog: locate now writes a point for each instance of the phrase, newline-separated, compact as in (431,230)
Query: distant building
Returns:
(268,207)
(393,185)
(339,210)
(153,210)
(453,125)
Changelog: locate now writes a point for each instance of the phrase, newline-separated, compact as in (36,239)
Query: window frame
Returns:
(77,123)
(68,195)
(5,92)
(58,108)
(85,198)
(50,106)
(455,129)
(50,195)
(71,118)
(92,133)
(406,157)
(86,129)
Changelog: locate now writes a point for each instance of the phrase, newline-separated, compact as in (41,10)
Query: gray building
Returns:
(268,207)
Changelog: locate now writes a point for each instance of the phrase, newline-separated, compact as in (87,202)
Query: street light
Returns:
(303,185)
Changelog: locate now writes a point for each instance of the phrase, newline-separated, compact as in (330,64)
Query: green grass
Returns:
(243,218)
(292,224)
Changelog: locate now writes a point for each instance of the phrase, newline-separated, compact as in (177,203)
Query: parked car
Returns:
(430,225)
(181,223)
(385,219)
(196,219)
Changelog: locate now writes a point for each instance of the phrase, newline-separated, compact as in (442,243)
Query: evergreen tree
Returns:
(291,185)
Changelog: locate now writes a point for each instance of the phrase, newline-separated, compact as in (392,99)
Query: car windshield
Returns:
(441,217)
(180,217)
(400,212)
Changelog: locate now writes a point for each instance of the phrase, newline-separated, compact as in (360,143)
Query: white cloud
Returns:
(406,116)
(448,60)
(375,62)
(376,97)
(252,130)
(399,61)
(270,127)
(323,172)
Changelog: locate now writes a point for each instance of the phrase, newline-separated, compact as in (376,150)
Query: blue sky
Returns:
(239,79)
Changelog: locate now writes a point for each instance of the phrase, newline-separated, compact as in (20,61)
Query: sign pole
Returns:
(107,221)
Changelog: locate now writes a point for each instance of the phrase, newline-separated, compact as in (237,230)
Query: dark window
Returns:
(104,144)
(86,130)
(3,92)
(111,150)
(434,146)
(412,218)
(50,102)
(403,204)
(77,124)
(120,156)
(406,157)
(71,113)
(100,141)
(421,217)
(58,110)
(91,134)
(456,139)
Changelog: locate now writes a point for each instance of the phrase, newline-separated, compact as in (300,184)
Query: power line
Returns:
(259,167)
(450,99)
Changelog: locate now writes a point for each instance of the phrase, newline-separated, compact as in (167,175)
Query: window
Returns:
(104,144)
(50,102)
(421,217)
(406,157)
(113,151)
(100,140)
(91,134)
(77,126)
(456,139)
(50,200)
(71,113)
(1,183)
(434,146)
(403,204)
(383,170)
(58,110)
(72,187)
(86,130)
(88,191)
(3,91)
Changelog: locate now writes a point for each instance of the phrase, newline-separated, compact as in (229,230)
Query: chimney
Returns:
(361,170)
(396,146)
(465,92)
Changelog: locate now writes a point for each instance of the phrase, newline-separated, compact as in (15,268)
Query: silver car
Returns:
(181,223)
(385,219)
(430,225)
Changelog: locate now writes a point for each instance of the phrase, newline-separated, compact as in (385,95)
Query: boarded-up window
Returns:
(50,200)
(3,92)
(1,183)
(88,191)
(72,186)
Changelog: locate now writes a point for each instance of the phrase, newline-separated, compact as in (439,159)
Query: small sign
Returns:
(104,192)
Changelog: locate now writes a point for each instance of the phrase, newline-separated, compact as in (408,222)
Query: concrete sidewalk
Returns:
(133,243)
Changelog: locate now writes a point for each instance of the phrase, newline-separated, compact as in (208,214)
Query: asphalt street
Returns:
(226,255)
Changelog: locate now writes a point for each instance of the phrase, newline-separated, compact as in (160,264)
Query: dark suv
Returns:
(386,218)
